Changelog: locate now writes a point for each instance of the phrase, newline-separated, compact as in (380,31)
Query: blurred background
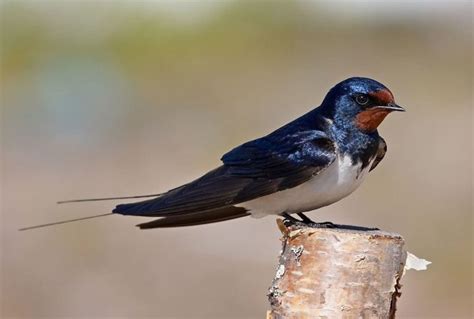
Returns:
(103,98)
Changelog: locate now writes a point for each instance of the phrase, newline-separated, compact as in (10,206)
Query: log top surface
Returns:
(292,229)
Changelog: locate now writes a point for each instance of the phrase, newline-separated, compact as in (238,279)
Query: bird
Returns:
(311,162)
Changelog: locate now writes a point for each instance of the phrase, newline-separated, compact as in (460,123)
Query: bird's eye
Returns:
(362,99)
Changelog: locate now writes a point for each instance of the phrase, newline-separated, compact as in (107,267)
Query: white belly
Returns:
(334,183)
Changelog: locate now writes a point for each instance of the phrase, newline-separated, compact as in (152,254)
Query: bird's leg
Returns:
(305,218)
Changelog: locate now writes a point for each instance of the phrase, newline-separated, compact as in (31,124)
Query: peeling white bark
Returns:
(337,273)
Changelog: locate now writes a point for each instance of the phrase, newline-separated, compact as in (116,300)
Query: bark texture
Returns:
(337,273)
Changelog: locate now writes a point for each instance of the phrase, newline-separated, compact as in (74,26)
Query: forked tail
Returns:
(88,217)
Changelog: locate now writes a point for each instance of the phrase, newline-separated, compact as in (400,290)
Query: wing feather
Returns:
(380,153)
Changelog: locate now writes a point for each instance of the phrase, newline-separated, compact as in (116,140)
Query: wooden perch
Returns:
(348,272)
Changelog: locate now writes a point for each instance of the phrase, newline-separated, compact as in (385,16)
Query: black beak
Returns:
(392,107)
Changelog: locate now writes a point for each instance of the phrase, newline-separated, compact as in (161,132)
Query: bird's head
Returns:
(359,102)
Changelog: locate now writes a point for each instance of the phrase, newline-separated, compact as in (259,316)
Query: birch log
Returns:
(337,273)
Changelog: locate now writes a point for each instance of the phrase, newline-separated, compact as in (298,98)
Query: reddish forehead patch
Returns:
(382,97)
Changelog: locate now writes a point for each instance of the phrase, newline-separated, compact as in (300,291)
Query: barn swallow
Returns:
(311,162)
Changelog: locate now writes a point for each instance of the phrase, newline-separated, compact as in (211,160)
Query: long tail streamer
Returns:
(105,198)
(64,222)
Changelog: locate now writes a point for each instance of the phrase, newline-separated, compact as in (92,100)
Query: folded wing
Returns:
(254,169)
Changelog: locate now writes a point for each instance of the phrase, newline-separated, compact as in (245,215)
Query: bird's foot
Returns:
(324,225)
(306,221)
(290,220)
(340,226)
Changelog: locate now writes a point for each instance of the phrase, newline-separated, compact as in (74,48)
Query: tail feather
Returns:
(64,222)
(105,198)
(199,218)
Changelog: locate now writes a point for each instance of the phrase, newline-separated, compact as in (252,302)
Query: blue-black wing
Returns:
(382,149)
(254,169)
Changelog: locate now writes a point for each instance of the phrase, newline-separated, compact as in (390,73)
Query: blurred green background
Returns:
(104,98)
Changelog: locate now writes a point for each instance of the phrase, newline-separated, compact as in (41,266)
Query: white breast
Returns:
(334,183)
